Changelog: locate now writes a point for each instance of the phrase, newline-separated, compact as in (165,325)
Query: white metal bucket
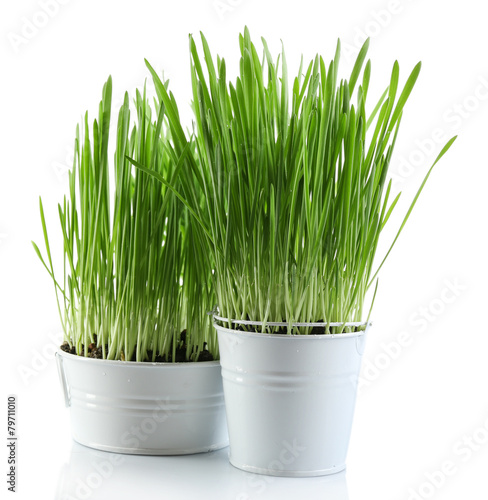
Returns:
(290,400)
(144,408)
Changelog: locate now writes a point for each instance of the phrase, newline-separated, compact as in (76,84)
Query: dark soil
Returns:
(96,351)
(283,330)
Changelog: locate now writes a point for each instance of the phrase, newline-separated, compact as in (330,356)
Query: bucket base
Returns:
(152,451)
(288,473)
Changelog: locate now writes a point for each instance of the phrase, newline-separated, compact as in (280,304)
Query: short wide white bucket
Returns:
(290,400)
(144,408)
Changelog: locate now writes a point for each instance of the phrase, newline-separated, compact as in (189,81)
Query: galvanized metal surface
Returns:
(290,400)
(144,408)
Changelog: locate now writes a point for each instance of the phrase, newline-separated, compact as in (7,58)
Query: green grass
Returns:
(131,278)
(294,175)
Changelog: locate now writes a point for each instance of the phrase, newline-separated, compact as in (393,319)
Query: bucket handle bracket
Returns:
(62,378)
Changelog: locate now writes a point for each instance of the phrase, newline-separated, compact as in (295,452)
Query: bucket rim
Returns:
(295,337)
(136,364)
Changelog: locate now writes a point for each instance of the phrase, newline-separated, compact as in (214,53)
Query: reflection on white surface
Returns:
(92,474)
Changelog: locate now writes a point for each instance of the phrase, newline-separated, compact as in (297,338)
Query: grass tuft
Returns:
(135,274)
(294,177)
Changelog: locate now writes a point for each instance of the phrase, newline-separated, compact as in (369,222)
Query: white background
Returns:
(418,401)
